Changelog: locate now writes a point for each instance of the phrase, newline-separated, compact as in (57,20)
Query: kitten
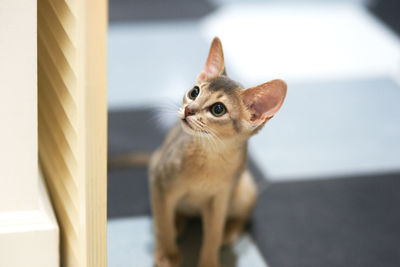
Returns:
(201,168)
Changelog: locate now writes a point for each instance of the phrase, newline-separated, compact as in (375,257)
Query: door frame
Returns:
(73,123)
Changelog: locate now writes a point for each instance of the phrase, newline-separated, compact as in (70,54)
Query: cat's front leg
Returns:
(214,216)
(166,251)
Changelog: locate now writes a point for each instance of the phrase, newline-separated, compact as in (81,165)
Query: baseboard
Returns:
(31,237)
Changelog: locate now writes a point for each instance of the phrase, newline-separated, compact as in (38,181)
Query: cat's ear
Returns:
(263,101)
(215,65)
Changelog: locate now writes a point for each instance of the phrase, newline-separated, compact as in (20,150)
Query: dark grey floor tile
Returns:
(150,10)
(339,222)
(388,12)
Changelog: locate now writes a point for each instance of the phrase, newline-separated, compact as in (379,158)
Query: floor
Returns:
(135,247)
(340,122)
(367,77)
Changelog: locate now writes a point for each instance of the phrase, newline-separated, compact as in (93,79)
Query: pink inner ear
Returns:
(264,100)
(215,62)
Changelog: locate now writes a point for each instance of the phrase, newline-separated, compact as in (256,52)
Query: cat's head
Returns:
(218,107)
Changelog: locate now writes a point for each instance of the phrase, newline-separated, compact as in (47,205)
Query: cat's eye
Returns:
(218,109)
(194,93)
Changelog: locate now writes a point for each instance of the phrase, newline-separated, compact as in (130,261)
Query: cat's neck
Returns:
(210,144)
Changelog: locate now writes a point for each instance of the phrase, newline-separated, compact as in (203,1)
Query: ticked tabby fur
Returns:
(201,168)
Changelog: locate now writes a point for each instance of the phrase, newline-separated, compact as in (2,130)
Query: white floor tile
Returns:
(303,41)
(153,63)
(332,129)
(130,242)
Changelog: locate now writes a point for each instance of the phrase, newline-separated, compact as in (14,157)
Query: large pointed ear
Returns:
(215,65)
(264,100)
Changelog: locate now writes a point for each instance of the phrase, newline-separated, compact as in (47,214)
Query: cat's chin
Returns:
(187,127)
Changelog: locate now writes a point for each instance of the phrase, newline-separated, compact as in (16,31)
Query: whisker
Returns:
(212,132)
(164,116)
(207,132)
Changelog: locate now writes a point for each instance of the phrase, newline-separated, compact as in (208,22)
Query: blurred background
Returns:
(328,163)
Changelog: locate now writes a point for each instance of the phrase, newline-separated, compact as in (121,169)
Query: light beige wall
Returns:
(18,106)
(30,238)
(29,234)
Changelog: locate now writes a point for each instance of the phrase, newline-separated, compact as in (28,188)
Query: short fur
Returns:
(201,169)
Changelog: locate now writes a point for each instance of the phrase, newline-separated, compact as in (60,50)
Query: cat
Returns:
(201,168)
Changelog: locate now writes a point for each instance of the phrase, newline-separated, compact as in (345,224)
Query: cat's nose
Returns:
(189,112)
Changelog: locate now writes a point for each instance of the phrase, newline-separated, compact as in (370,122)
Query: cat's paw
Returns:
(232,232)
(207,264)
(208,261)
(230,238)
(164,259)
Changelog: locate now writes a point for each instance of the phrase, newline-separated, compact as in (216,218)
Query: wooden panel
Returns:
(73,123)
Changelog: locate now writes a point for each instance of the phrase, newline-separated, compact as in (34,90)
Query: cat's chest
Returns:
(200,186)
(204,180)
(208,165)
(210,172)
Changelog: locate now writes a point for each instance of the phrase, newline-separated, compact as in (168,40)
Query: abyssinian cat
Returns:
(201,168)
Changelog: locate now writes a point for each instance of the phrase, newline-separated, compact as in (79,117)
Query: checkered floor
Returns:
(331,156)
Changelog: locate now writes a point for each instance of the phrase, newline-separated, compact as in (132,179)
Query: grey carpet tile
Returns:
(133,130)
(128,193)
(130,130)
(145,10)
(388,12)
(340,222)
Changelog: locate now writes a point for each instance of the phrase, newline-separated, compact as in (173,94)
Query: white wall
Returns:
(29,234)
(18,105)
